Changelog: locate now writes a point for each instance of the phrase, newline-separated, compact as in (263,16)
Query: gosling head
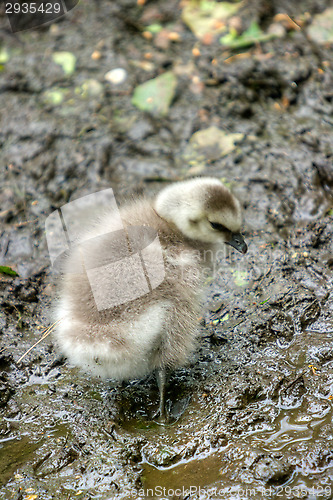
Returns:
(203,209)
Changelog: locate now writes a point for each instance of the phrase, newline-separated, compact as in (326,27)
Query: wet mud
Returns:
(251,414)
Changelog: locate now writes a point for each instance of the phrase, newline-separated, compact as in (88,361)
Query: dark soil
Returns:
(252,412)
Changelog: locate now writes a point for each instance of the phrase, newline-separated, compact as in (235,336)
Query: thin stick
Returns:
(47,332)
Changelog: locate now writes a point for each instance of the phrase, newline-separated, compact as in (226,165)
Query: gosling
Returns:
(153,328)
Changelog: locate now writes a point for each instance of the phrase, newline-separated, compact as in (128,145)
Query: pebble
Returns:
(116,76)
(96,55)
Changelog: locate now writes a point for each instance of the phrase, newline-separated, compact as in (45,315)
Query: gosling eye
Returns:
(219,227)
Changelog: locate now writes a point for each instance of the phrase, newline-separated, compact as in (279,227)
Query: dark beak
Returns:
(237,241)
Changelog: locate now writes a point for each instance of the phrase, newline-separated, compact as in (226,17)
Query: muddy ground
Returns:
(252,412)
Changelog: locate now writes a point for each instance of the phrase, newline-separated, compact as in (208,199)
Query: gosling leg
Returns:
(161,382)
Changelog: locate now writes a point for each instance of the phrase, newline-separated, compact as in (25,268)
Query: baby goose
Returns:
(153,329)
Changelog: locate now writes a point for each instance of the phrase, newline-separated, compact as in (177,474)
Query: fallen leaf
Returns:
(155,96)
(211,144)
(4,55)
(8,271)
(321,29)
(207,17)
(54,97)
(154,28)
(253,34)
(66,60)
(287,21)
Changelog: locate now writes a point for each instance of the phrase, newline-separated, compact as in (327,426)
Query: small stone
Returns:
(96,55)
(277,29)
(116,76)
(140,130)
(54,29)
(147,35)
(174,36)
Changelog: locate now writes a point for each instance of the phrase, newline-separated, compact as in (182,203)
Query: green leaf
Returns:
(66,60)
(210,144)
(4,55)
(321,29)
(54,97)
(252,35)
(8,271)
(208,17)
(155,96)
(154,28)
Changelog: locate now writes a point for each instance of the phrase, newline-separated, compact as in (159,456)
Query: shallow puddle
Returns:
(212,471)
(14,453)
